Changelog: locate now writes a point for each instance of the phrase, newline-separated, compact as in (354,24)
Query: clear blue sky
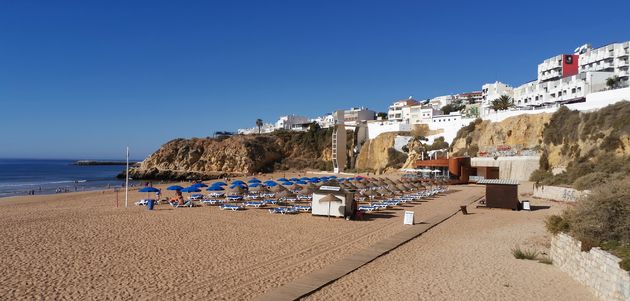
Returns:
(82,79)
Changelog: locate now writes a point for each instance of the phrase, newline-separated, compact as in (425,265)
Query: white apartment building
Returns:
(610,58)
(354,116)
(469,97)
(565,90)
(266,128)
(453,117)
(420,114)
(490,92)
(395,112)
(290,122)
(325,121)
(440,101)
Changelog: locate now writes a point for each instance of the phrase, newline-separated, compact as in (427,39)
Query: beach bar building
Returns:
(341,207)
(501,193)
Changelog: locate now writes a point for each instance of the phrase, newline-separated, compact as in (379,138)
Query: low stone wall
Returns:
(557,193)
(597,269)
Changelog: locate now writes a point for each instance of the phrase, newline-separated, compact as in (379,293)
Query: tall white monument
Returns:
(339,142)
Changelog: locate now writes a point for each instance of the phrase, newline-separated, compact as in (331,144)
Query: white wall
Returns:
(377,128)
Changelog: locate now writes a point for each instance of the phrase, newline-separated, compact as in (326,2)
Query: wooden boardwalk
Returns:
(311,282)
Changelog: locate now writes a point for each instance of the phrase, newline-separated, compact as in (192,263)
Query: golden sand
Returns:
(81,246)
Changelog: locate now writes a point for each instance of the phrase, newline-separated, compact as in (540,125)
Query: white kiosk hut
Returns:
(340,206)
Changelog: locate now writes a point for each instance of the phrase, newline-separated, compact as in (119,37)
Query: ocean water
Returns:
(19,176)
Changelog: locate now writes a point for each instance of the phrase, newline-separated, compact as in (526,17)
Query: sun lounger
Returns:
(188,203)
(270,201)
(231,207)
(283,210)
(302,208)
(142,202)
(367,208)
(196,197)
(380,205)
(213,202)
(234,197)
(254,204)
(216,194)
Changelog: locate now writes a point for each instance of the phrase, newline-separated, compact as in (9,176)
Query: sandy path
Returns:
(80,246)
(465,258)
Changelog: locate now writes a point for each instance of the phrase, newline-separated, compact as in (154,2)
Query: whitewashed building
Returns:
(610,58)
(354,116)
(325,121)
(569,89)
(266,128)
(420,114)
(440,101)
(490,92)
(290,122)
(395,112)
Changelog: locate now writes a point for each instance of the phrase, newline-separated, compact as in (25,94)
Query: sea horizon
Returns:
(48,176)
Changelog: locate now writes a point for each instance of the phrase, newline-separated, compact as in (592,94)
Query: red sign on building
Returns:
(570,64)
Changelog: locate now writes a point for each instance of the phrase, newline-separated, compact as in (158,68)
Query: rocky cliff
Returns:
(379,155)
(519,133)
(243,154)
(578,147)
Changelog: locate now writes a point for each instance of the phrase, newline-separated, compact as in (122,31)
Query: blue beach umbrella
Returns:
(175,187)
(219,184)
(237,182)
(215,188)
(148,189)
(301,182)
(191,189)
(283,179)
(255,185)
(242,185)
(199,185)
(295,179)
(333,177)
(270,183)
(254,180)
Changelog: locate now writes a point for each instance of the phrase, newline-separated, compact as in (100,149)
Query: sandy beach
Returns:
(81,246)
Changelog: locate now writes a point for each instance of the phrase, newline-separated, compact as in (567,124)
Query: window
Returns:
(573,90)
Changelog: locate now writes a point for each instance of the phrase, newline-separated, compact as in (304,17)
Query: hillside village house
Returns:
(395,112)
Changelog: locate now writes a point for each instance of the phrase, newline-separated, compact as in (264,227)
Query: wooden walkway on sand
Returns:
(311,282)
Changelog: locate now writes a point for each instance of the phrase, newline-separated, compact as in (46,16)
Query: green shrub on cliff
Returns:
(601,219)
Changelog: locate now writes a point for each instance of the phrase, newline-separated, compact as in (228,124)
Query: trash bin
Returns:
(150,204)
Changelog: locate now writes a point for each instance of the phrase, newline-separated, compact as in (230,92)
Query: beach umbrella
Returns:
(333,177)
(283,179)
(219,184)
(295,179)
(215,188)
(242,185)
(278,188)
(191,189)
(285,194)
(199,185)
(238,182)
(255,185)
(301,182)
(256,188)
(148,190)
(341,179)
(329,198)
(236,190)
(254,180)
(271,183)
(175,187)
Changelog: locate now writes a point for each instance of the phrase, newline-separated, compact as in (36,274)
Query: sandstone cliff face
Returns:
(375,153)
(519,132)
(207,158)
(561,138)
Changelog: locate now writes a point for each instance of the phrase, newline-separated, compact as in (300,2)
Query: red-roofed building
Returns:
(395,112)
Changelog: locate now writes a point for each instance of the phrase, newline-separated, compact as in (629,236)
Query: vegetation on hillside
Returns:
(603,128)
(466,133)
(502,103)
(454,106)
(602,219)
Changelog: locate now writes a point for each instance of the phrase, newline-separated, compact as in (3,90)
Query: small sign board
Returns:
(408,218)
(330,188)
(526,205)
